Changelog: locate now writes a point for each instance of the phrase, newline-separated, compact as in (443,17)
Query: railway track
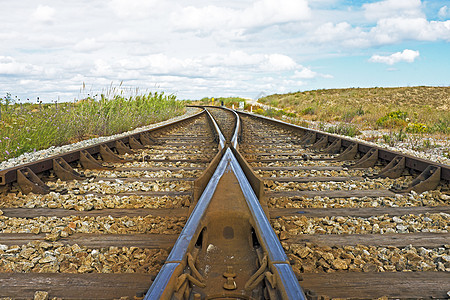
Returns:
(226,206)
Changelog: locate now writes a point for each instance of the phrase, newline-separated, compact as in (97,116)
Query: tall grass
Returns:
(29,127)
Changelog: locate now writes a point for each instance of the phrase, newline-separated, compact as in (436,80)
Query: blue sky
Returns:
(202,48)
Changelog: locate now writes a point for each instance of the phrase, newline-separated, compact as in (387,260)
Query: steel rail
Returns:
(414,163)
(164,283)
(222,140)
(9,175)
(235,138)
(287,284)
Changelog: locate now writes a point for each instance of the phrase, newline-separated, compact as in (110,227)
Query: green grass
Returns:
(227,101)
(344,129)
(29,127)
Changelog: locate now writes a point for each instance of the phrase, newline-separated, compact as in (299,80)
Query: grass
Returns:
(29,127)
(227,101)
(344,129)
(415,108)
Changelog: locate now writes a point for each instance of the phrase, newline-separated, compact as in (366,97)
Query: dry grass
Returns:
(364,106)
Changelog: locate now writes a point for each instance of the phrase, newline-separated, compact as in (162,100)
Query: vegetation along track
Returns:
(348,220)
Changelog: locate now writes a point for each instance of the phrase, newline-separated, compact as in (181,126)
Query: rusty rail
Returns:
(273,271)
(415,164)
(9,175)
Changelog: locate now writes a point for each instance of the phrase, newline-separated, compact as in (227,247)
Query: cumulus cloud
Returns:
(392,8)
(261,13)
(387,31)
(406,55)
(44,14)
(134,9)
(278,62)
(9,66)
(201,47)
(305,73)
(398,29)
(215,64)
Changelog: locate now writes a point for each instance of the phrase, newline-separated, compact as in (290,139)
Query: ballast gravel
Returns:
(57,227)
(436,222)
(54,257)
(429,198)
(312,258)
(90,202)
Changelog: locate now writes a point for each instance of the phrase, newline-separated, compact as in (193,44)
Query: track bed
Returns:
(344,231)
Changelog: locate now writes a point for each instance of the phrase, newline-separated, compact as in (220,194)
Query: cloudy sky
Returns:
(200,48)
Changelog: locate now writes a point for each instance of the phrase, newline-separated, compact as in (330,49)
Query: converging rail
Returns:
(226,204)
(227,249)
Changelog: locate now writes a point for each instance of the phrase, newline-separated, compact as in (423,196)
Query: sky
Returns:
(193,49)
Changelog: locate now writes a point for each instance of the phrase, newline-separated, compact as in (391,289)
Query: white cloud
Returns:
(134,9)
(9,66)
(261,13)
(102,69)
(392,8)
(278,62)
(386,32)
(406,55)
(444,12)
(201,47)
(44,14)
(329,32)
(88,45)
(398,29)
(305,73)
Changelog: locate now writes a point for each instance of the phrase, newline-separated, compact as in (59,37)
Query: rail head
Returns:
(414,163)
(222,140)
(235,138)
(187,237)
(287,283)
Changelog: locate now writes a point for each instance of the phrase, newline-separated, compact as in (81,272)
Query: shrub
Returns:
(308,111)
(416,128)
(259,111)
(344,129)
(393,119)
(442,126)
